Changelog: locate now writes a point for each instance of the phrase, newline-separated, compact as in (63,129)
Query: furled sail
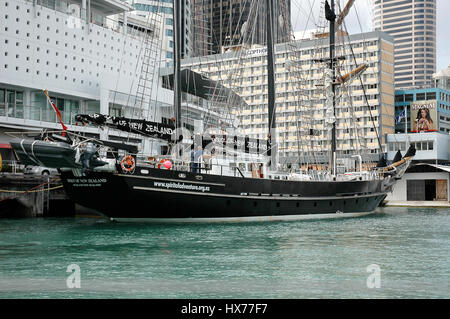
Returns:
(344,12)
(330,118)
(356,72)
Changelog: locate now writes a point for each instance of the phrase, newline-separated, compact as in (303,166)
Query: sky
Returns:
(360,20)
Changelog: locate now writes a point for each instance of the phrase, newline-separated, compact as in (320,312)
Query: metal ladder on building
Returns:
(150,61)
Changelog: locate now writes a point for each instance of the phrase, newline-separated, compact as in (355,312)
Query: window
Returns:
(2,103)
(11,103)
(431,96)
(399,98)
(420,96)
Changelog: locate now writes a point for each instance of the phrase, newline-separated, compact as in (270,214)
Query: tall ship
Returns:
(216,173)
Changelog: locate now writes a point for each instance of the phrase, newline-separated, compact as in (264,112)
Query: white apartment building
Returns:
(293,113)
(412,23)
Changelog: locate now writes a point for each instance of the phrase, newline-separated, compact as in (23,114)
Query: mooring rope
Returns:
(35,189)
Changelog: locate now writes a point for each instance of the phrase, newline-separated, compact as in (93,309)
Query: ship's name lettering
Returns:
(88,180)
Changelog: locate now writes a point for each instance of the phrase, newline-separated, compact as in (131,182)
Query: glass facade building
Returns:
(403,99)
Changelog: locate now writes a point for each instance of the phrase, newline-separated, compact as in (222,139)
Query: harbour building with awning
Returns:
(428,178)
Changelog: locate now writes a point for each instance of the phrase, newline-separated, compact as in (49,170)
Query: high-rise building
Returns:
(299,97)
(165,9)
(413,25)
(223,24)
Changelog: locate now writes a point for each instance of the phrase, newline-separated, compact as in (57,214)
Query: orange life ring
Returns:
(162,162)
(128,163)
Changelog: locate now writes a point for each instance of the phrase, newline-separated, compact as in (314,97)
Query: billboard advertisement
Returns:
(424,116)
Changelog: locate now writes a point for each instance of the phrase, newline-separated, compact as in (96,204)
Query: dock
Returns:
(428,204)
(33,196)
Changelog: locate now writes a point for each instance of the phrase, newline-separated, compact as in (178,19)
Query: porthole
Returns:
(315,204)
(254,204)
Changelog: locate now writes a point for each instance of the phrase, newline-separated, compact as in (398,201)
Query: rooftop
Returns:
(443,73)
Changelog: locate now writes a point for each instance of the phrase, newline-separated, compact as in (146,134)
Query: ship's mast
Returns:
(331,17)
(271,85)
(177,63)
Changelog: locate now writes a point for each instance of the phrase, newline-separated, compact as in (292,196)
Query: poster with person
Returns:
(424,116)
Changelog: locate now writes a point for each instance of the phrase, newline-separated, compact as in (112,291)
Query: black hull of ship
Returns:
(170,196)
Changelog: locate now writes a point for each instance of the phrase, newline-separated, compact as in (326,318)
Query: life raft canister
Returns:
(128,163)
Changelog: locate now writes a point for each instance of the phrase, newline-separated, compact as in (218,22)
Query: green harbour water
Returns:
(301,259)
